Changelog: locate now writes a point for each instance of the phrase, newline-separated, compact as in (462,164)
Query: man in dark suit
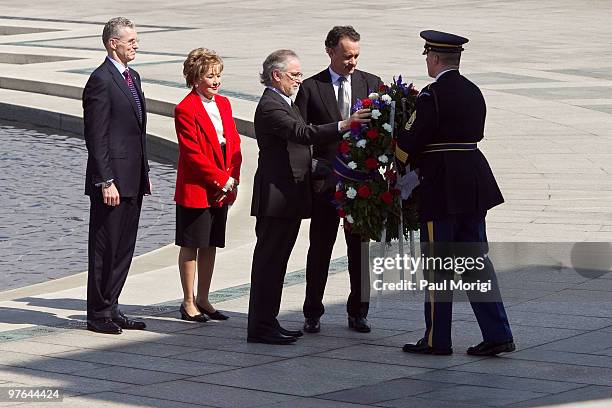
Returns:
(281,189)
(117,174)
(457,188)
(323,98)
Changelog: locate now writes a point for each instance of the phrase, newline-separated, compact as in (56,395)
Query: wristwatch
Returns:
(106,184)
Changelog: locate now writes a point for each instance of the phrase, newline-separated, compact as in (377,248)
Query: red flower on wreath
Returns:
(372,134)
(355,125)
(344,147)
(364,191)
(414,91)
(386,197)
(339,195)
(341,213)
(371,163)
(366,102)
(382,88)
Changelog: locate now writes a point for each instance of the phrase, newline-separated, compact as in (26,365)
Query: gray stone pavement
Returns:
(545,73)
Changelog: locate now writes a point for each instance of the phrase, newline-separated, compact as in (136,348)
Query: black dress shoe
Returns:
(197,318)
(272,338)
(421,347)
(105,326)
(359,324)
(312,325)
(216,315)
(125,323)
(290,333)
(491,349)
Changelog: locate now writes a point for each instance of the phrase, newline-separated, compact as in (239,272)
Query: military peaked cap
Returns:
(442,42)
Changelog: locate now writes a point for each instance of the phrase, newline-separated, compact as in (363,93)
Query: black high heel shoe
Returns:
(216,315)
(197,318)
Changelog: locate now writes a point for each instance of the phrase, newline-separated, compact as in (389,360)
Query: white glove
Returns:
(408,183)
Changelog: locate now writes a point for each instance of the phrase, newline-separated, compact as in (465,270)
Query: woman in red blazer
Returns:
(206,181)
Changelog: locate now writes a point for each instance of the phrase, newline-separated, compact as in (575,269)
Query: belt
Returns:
(450,147)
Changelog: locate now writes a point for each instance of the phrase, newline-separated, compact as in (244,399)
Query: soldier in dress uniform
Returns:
(457,188)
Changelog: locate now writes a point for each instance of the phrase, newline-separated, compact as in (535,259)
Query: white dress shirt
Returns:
(215,116)
(336,84)
(444,72)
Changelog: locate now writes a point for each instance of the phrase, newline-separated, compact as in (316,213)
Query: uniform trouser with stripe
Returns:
(442,238)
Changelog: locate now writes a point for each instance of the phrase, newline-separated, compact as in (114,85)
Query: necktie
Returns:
(130,84)
(343,102)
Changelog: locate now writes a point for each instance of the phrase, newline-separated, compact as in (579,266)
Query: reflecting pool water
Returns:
(44,214)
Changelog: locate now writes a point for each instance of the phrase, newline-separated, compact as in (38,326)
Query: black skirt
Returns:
(201,227)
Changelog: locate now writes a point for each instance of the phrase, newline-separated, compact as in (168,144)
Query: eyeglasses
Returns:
(295,76)
(131,43)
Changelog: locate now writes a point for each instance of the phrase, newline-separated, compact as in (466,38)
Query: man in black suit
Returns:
(323,98)
(457,188)
(281,189)
(117,174)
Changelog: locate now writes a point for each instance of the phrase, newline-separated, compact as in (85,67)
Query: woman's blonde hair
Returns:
(197,64)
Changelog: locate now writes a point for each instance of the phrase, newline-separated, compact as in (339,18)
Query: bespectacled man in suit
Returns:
(281,189)
(323,98)
(116,179)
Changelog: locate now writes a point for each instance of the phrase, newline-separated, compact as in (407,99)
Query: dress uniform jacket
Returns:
(450,116)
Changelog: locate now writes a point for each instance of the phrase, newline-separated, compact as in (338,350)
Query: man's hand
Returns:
(360,116)
(110,195)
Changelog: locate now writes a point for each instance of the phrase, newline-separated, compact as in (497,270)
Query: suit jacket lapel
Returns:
(206,125)
(328,97)
(291,109)
(358,87)
(120,81)
(143,102)
(228,123)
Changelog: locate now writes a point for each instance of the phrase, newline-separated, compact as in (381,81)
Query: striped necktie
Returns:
(130,84)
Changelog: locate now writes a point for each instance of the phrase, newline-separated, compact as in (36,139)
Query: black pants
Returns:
(275,240)
(112,238)
(323,230)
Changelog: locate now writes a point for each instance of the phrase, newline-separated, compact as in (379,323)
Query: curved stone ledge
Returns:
(243,110)
(64,114)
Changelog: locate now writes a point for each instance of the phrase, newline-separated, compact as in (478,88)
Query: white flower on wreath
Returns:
(376,114)
(352,165)
(351,193)
(373,96)
(349,219)
(361,143)
(386,99)
(347,135)
(387,127)
(383,158)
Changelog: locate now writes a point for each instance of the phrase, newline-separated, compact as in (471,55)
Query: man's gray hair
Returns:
(113,28)
(275,61)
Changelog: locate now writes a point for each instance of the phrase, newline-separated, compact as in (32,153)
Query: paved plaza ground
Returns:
(546,73)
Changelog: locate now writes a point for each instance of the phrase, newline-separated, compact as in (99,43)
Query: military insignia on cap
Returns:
(410,121)
(439,41)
